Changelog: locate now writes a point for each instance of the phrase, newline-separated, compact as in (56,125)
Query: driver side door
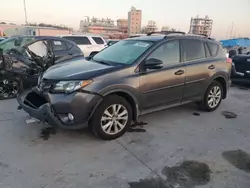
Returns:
(38,52)
(163,86)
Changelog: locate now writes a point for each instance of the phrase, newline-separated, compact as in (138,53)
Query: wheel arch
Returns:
(130,97)
(127,95)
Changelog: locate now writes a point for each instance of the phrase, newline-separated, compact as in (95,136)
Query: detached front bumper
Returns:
(54,109)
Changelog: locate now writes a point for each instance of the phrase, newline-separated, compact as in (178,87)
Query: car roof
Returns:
(46,37)
(36,37)
(159,37)
(87,35)
(151,38)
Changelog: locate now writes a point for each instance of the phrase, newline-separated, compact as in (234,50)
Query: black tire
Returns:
(203,105)
(95,122)
(10,90)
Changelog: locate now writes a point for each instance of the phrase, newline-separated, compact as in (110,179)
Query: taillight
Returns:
(229,60)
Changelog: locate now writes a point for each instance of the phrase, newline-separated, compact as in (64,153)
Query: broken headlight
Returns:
(70,86)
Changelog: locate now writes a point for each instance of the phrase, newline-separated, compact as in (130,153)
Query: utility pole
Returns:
(231,33)
(25,12)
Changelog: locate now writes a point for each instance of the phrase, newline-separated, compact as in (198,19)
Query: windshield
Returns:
(123,52)
(15,42)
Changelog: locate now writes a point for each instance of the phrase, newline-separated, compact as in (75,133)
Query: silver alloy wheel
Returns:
(214,97)
(8,88)
(114,119)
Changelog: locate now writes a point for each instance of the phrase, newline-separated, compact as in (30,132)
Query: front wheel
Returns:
(212,97)
(112,118)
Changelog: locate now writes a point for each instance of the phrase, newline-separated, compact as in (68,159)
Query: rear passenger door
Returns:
(197,73)
(60,50)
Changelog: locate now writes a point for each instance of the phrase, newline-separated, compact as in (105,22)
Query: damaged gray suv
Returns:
(130,78)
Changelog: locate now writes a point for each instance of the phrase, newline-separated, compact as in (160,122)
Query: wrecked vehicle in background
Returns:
(21,65)
(241,69)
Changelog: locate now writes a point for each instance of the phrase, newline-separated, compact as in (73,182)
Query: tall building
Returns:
(134,21)
(201,26)
(122,24)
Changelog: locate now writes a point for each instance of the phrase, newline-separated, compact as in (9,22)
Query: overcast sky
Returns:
(172,13)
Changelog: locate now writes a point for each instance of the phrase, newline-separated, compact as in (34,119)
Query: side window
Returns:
(79,40)
(207,50)
(58,45)
(213,48)
(193,49)
(98,40)
(69,45)
(39,48)
(168,52)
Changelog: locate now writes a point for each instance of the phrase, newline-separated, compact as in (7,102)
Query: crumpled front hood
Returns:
(76,69)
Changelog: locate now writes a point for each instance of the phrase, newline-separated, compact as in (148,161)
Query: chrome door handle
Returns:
(179,72)
(211,67)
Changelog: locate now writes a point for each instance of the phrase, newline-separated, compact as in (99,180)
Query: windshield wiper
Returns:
(101,61)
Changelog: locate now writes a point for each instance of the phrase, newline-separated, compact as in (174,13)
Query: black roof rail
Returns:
(166,32)
(201,35)
(198,35)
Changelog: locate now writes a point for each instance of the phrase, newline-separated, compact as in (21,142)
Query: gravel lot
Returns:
(180,148)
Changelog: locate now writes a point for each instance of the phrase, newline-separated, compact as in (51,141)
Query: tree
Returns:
(173,29)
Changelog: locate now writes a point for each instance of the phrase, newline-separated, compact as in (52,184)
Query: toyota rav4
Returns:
(130,78)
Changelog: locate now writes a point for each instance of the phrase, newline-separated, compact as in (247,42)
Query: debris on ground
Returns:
(229,115)
(135,125)
(196,114)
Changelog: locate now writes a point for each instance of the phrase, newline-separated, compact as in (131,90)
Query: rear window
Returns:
(193,49)
(98,40)
(213,48)
(79,40)
(58,45)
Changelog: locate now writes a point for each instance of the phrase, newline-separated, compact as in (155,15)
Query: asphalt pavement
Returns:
(180,147)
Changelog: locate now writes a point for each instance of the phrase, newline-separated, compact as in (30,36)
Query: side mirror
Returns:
(153,63)
(92,54)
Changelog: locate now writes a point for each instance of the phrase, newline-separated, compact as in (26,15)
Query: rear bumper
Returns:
(55,111)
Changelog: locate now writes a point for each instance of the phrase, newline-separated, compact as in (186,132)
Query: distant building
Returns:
(122,24)
(99,26)
(201,26)
(103,30)
(165,28)
(36,31)
(134,21)
(4,27)
(150,27)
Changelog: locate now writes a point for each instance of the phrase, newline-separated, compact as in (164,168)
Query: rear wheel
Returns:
(9,87)
(212,97)
(112,118)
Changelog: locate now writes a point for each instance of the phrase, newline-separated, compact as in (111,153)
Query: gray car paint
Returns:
(146,90)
